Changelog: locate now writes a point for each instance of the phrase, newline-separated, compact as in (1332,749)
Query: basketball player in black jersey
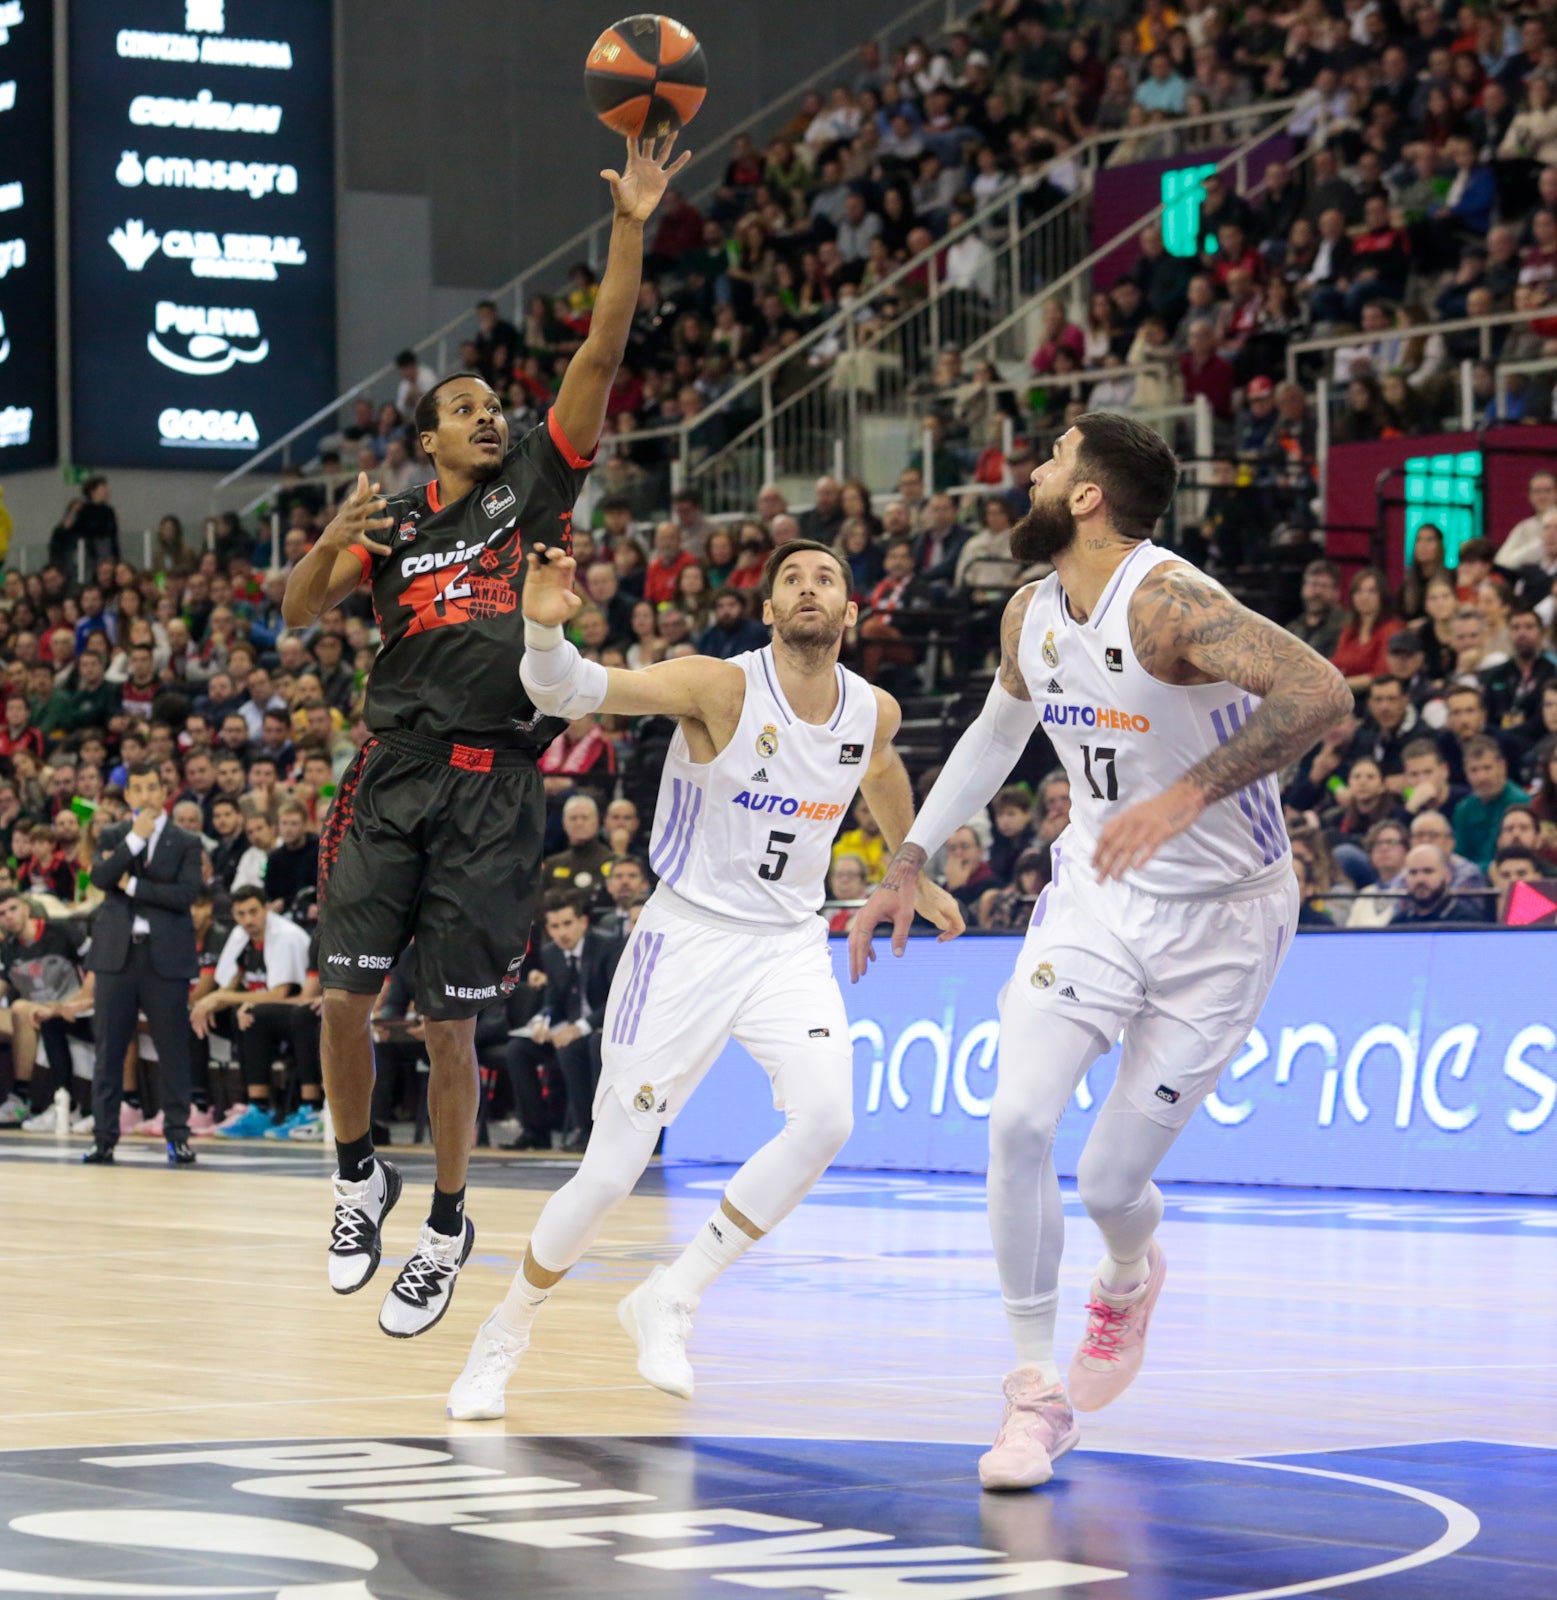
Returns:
(436,831)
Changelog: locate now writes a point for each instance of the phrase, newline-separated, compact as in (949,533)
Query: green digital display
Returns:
(1182,192)
(1445,491)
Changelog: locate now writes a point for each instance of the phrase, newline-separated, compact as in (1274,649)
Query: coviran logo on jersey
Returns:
(468,583)
(1095,717)
(814,810)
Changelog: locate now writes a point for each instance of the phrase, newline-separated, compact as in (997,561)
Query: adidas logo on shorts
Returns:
(1054,686)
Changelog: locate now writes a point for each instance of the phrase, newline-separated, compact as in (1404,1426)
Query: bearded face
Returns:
(1048,529)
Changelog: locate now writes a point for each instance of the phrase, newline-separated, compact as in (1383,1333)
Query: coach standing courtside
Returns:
(143,952)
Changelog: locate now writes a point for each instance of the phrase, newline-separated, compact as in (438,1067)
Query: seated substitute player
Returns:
(1172,903)
(769,750)
(437,830)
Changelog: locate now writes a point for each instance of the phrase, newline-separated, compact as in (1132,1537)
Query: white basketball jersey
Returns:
(749,835)
(1125,736)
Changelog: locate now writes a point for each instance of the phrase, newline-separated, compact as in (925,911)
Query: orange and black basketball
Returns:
(646,76)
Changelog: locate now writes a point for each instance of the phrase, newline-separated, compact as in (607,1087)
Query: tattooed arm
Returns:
(1186,629)
(976,768)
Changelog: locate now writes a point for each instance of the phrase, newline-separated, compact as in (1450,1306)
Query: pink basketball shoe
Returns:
(1114,1345)
(1038,1428)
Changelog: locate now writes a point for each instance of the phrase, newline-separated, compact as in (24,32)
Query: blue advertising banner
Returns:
(1381,1061)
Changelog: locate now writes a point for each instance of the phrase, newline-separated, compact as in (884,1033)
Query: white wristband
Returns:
(538,636)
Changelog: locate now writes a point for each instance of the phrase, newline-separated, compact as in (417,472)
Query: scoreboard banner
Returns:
(202,227)
(28,426)
(1410,1060)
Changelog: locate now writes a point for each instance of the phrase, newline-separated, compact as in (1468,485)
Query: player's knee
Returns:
(1019,1132)
(603,1187)
(1106,1188)
(822,1127)
(343,1009)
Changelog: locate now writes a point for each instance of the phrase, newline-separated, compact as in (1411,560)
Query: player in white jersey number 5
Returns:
(1172,902)
(769,752)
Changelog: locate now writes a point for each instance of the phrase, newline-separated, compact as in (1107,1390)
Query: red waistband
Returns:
(470,758)
(463,757)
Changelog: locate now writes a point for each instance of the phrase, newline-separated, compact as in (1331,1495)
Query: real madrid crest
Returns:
(644,1099)
(767,740)
(1043,973)
(1051,654)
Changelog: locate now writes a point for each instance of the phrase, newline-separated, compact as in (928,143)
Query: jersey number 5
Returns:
(772,870)
(1105,759)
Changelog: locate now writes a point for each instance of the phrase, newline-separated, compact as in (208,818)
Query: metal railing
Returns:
(589,243)
(865,374)
(849,406)
(1068,285)
(1517,369)
(1393,336)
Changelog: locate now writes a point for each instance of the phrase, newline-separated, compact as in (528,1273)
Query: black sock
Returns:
(448,1213)
(133,1101)
(354,1159)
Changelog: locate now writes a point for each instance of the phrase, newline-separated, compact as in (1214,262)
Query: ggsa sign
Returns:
(1418,1061)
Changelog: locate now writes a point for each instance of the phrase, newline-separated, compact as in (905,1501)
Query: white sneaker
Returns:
(45,1122)
(14,1111)
(660,1327)
(86,1124)
(479,1392)
(356,1234)
(424,1289)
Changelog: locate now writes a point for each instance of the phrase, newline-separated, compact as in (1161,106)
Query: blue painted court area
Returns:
(703,1516)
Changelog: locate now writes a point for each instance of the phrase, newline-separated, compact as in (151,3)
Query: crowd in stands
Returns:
(1433,195)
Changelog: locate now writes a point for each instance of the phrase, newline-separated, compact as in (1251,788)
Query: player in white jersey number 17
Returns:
(769,752)
(1172,900)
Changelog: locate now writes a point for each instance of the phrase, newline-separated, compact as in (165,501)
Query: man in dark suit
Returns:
(143,952)
(579,965)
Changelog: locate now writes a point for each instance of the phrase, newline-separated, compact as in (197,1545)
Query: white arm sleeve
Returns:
(981,761)
(558,679)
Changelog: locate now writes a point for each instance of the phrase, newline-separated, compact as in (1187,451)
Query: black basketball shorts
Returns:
(439,843)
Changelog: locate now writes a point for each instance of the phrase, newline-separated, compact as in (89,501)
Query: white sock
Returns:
(719,1243)
(520,1306)
(1032,1332)
(1120,1277)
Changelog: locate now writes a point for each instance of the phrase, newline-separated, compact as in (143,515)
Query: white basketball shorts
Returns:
(687,984)
(1182,980)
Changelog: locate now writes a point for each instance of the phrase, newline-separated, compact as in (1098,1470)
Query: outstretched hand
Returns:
(360,512)
(640,186)
(893,901)
(548,597)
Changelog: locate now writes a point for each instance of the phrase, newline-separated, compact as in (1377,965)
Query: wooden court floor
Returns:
(1336,1385)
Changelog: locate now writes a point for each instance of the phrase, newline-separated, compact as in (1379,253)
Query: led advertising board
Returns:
(202,227)
(28,434)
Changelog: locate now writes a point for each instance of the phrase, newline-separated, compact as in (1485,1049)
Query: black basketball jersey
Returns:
(447,598)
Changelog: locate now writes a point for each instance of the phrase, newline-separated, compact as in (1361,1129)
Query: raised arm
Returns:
(981,761)
(340,560)
(636,190)
(1186,628)
(560,682)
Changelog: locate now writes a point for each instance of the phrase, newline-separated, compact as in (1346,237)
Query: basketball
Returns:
(646,76)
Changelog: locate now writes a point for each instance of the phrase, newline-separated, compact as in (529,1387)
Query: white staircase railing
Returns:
(589,243)
(836,402)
